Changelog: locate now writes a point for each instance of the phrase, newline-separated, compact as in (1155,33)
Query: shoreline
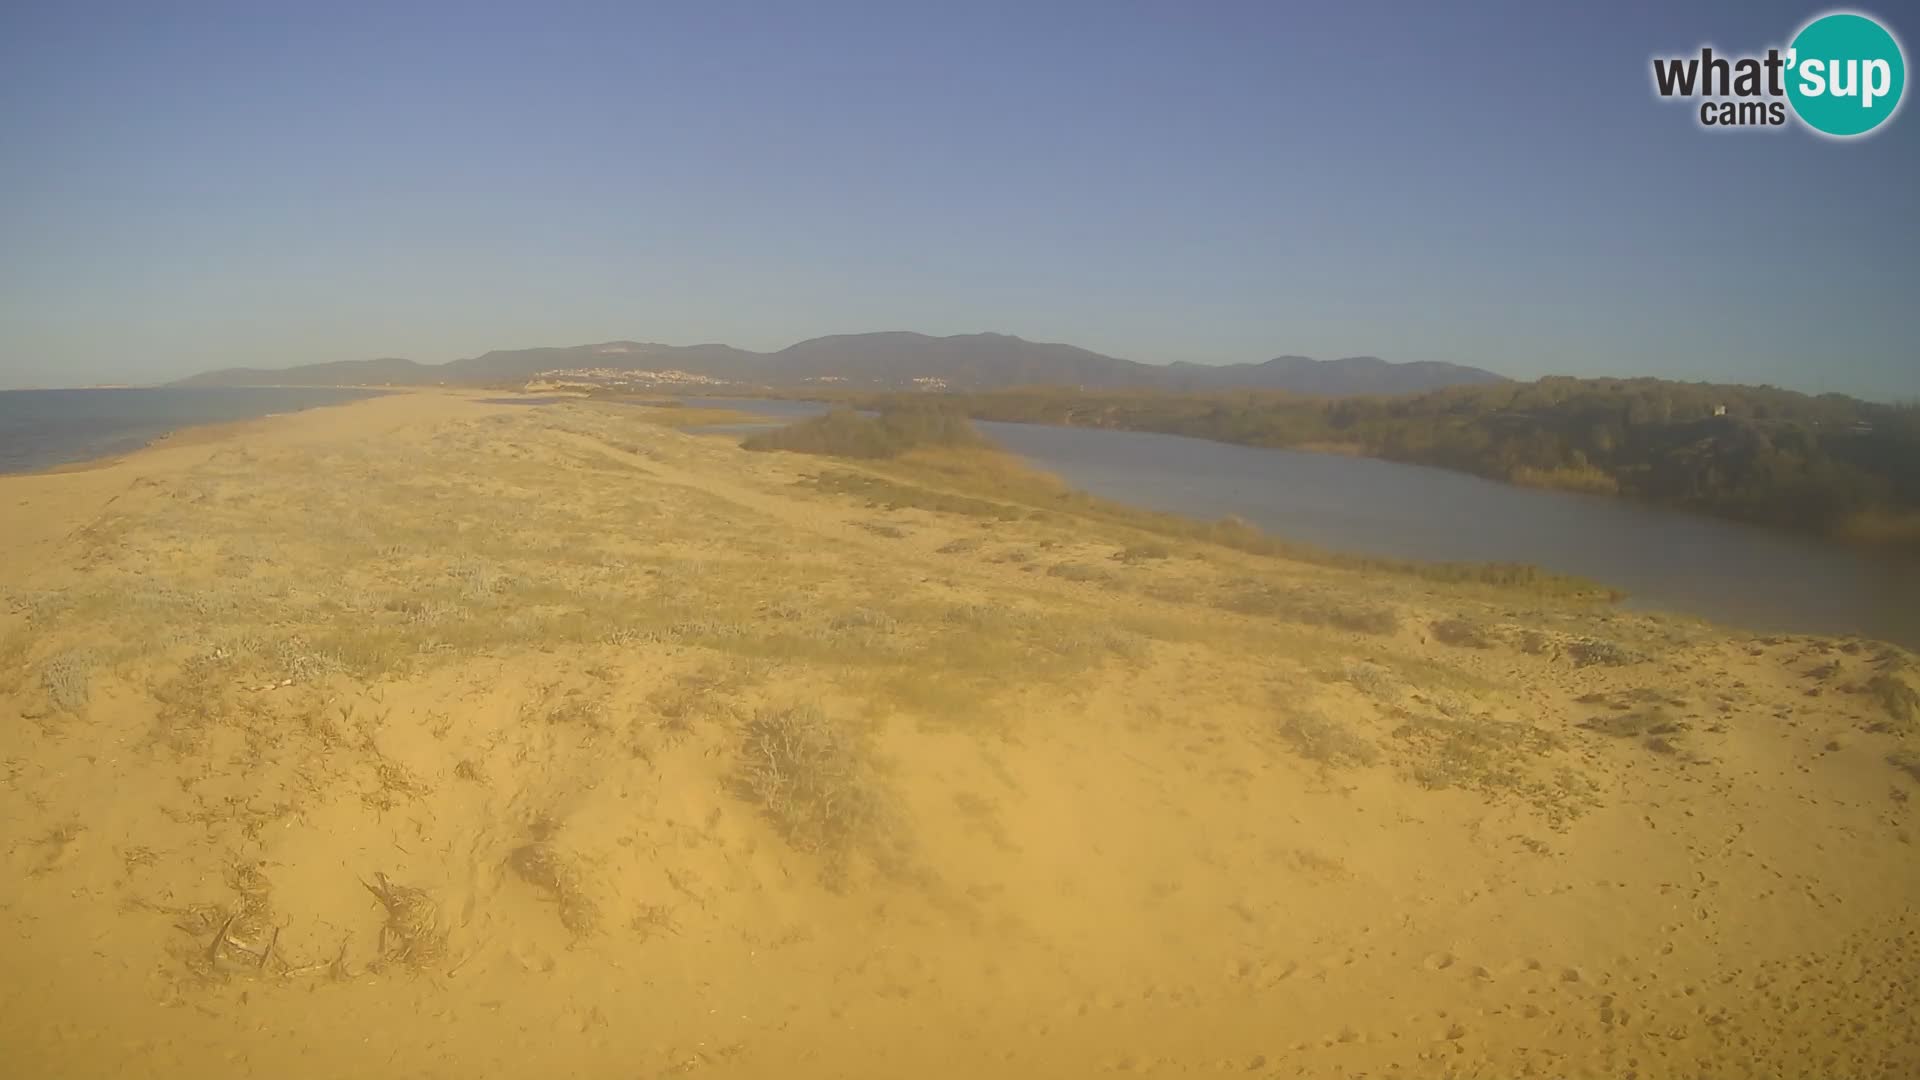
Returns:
(538,679)
(46,506)
(190,434)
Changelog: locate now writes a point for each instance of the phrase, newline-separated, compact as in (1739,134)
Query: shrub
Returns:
(1078,572)
(812,781)
(1460,633)
(477,580)
(1900,700)
(67,679)
(1371,678)
(1359,618)
(1328,742)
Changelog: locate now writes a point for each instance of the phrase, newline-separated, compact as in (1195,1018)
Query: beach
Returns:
(428,736)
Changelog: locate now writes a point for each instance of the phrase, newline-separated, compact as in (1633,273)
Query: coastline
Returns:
(47,505)
(182,434)
(518,667)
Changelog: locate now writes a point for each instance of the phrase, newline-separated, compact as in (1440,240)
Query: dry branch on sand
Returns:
(412,934)
(545,867)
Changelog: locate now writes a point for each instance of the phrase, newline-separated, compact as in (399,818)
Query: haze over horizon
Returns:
(1496,188)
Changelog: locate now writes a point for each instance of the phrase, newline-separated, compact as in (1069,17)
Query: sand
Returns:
(426,737)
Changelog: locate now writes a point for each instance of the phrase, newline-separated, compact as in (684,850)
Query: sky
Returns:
(189,186)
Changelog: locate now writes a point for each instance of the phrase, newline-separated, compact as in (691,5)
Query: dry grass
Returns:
(1309,607)
(1460,749)
(1317,738)
(1621,725)
(1898,699)
(815,782)
(885,494)
(1588,652)
(1657,729)
(1461,633)
(67,679)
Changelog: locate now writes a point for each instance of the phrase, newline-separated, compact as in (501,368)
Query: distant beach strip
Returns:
(42,429)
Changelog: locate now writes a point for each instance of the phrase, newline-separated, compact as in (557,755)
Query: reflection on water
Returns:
(1666,560)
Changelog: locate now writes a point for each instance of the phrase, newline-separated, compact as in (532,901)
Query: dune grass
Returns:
(816,782)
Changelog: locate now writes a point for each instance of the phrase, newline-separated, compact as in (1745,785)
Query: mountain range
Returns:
(887,360)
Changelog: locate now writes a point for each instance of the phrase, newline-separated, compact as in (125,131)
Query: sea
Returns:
(40,429)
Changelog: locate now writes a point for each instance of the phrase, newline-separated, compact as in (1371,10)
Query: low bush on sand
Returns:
(1329,742)
(814,782)
(67,679)
(1461,634)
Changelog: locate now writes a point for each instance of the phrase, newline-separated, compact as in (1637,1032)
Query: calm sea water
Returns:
(1665,560)
(43,428)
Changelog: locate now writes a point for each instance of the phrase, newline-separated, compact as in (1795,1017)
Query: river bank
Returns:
(1661,559)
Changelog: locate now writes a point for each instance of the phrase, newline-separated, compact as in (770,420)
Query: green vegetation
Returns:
(1827,464)
(844,433)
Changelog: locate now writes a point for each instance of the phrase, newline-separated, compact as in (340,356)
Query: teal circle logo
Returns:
(1845,74)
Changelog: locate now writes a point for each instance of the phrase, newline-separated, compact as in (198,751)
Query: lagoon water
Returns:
(1664,560)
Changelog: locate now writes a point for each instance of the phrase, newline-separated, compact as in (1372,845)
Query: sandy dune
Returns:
(426,737)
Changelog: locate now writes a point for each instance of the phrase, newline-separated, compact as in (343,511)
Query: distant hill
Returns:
(888,360)
(1331,378)
(387,371)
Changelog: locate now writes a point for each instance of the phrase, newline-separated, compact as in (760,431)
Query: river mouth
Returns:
(1664,560)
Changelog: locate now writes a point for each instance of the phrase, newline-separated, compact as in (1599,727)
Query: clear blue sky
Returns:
(189,186)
